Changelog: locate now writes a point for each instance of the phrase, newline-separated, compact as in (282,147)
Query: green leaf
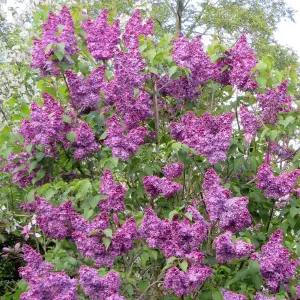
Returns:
(261,82)
(103,136)
(261,67)
(94,200)
(114,161)
(39,156)
(153,70)
(183,266)
(172,70)
(151,54)
(142,285)
(66,119)
(172,214)
(216,295)
(176,146)
(176,75)
(106,241)
(294,211)
(59,55)
(32,165)
(273,135)
(61,47)
(189,216)
(287,121)
(71,136)
(83,67)
(48,48)
(108,232)
(254,267)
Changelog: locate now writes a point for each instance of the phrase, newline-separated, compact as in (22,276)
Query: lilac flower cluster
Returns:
(243,61)
(43,282)
(276,187)
(85,141)
(100,288)
(102,38)
(115,194)
(91,246)
(173,238)
(232,213)
(183,283)
(123,145)
(228,295)
(249,122)
(45,126)
(155,185)
(56,222)
(260,296)
(134,28)
(283,152)
(19,166)
(133,111)
(86,93)
(226,250)
(173,171)
(209,136)
(273,102)
(275,265)
(41,59)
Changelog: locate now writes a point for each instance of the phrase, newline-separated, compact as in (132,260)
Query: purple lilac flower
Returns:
(102,38)
(115,194)
(133,111)
(123,145)
(173,238)
(84,143)
(45,126)
(173,171)
(227,295)
(249,122)
(226,250)
(260,296)
(21,175)
(41,59)
(56,222)
(155,185)
(276,186)
(85,93)
(243,61)
(209,136)
(134,28)
(183,283)
(275,265)
(43,282)
(99,288)
(232,213)
(273,102)
(91,246)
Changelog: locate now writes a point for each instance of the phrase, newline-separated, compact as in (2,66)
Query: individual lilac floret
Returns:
(134,28)
(43,282)
(275,187)
(173,171)
(232,213)
(209,136)
(84,143)
(173,238)
(250,123)
(275,265)
(56,30)
(123,145)
(243,61)
(102,38)
(226,250)
(115,194)
(273,102)
(99,288)
(155,185)
(227,295)
(260,296)
(85,93)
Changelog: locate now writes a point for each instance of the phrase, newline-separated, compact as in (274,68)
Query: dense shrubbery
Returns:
(152,169)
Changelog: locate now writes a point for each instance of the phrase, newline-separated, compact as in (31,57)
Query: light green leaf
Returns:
(71,136)
(183,266)
(108,232)
(106,241)
(172,70)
